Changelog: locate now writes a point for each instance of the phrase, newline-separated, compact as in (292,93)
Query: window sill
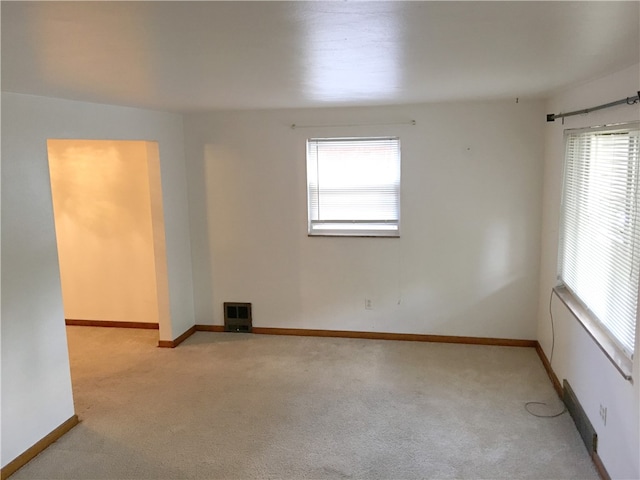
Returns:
(349,235)
(353,228)
(614,353)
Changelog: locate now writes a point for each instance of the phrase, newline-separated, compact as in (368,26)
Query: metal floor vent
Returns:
(237,317)
(586,430)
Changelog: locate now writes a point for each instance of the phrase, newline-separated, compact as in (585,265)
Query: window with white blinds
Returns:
(599,258)
(353,186)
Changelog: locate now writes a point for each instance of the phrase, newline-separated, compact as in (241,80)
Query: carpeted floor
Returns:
(242,406)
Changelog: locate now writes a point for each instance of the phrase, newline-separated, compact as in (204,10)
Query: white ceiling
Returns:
(192,56)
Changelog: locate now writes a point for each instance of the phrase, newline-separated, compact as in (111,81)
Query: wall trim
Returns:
(110,323)
(604,475)
(188,333)
(177,341)
(595,458)
(552,375)
(411,337)
(24,458)
(209,328)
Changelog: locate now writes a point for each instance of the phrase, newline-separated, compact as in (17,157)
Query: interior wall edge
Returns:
(31,298)
(177,341)
(21,460)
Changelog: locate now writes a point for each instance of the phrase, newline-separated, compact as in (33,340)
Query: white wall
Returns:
(467,260)
(36,388)
(102,211)
(576,356)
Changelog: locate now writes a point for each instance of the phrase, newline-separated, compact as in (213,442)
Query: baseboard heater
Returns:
(586,430)
(237,317)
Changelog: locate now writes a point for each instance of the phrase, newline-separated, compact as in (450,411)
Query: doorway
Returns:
(107,202)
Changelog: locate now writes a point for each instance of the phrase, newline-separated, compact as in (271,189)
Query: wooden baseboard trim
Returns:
(210,328)
(595,458)
(177,341)
(110,323)
(411,337)
(188,333)
(552,375)
(24,458)
(604,475)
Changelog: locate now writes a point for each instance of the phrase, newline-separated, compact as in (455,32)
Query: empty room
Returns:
(342,239)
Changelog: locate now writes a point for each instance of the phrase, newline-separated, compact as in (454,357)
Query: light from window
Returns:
(599,259)
(353,186)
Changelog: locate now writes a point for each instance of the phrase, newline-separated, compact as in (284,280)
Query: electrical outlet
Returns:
(368,304)
(603,414)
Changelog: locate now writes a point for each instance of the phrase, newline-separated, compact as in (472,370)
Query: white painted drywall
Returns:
(576,357)
(466,263)
(36,388)
(102,212)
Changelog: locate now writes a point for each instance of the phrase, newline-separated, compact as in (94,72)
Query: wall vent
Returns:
(586,430)
(237,317)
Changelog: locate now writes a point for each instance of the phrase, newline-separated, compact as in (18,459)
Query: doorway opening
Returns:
(107,203)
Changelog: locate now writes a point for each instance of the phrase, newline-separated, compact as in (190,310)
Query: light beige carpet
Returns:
(243,406)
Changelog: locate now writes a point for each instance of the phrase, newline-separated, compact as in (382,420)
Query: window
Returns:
(599,260)
(353,186)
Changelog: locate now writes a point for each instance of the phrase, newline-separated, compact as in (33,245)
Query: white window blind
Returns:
(353,186)
(600,232)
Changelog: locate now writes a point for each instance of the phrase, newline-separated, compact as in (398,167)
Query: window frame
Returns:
(597,329)
(340,227)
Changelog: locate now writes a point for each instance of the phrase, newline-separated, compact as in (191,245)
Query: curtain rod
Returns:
(628,101)
(294,126)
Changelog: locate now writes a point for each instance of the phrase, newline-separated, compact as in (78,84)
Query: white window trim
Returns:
(353,228)
(603,339)
(610,346)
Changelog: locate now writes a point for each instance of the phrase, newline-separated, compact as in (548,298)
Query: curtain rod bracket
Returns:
(633,100)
